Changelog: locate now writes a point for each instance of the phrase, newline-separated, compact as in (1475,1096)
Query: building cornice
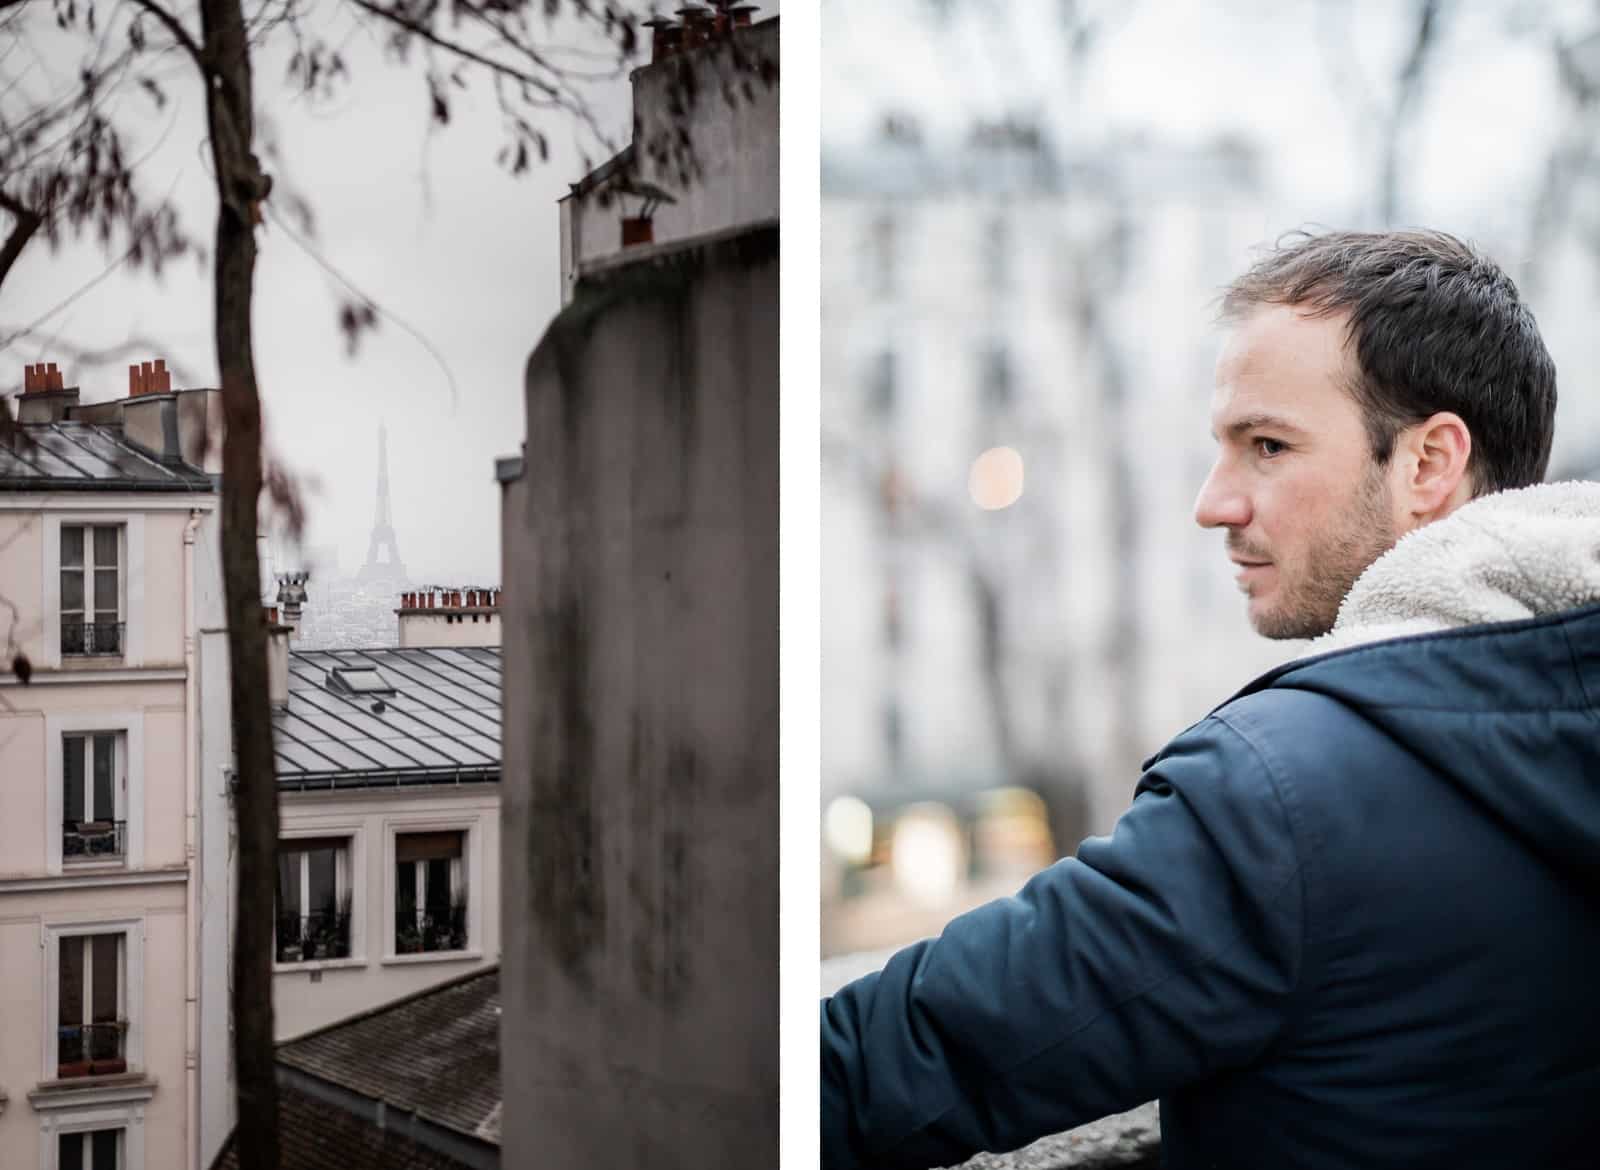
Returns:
(110,675)
(113,500)
(93,879)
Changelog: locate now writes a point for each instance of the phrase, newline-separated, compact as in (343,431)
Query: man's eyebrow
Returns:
(1263,422)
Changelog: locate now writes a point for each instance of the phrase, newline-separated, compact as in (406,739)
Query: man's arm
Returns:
(1158,956)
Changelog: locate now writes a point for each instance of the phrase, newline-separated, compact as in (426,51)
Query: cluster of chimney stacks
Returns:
(42,377)
(451,599)
(696,25)
(149,378)
(145,378)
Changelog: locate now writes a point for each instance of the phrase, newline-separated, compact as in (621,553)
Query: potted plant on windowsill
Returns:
(291,942)
(407,934)
(456,934)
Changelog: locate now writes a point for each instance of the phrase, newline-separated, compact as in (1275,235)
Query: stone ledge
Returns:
(1123,1141)
(77,1092)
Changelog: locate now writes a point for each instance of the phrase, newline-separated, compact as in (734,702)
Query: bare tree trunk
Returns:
(1408,90)
(1101,269)
(992,655)
(240,187)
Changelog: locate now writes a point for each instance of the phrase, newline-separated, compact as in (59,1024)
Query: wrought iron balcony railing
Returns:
(93,840)
(418,931)
(81,637)
(90,1050)
(302,938)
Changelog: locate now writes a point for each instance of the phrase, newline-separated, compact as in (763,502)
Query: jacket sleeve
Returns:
(1162,954)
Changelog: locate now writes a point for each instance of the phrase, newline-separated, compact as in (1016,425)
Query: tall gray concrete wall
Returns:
(640,817)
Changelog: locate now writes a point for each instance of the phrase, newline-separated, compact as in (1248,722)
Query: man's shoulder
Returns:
(1257,720)
(1285,738)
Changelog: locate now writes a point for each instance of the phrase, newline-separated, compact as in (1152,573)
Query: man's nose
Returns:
(1220,503)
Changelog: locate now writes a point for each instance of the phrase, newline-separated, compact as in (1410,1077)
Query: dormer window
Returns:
(358,681)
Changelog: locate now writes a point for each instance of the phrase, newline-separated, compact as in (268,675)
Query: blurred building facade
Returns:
(1017,350)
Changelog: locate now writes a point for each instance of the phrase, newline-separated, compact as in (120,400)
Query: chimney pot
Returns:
(28,380)
(134,382)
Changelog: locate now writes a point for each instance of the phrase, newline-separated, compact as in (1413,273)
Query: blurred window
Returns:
(883,384)
(997,253)
(881,252)
(893,733)
(996,383)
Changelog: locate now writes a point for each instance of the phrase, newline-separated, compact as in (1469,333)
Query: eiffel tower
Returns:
(387,569)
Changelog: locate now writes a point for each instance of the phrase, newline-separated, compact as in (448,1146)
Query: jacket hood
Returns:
(1475,642)
(1502,557)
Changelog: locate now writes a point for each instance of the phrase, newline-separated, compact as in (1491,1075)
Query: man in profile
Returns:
(1349,918)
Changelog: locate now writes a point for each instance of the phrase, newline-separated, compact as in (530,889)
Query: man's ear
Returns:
(1437,481)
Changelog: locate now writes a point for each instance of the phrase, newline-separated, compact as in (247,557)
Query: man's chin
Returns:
(1273,623)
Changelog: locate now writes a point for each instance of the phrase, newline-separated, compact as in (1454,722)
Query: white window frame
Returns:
(119,793)
(55,1121)
(90,566)
(129,725)
(131,596)
(345,867)
(122,1144)
(467,871)
(131,989)
(91,958)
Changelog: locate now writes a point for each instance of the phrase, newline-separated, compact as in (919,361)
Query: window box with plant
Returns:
(92,1023)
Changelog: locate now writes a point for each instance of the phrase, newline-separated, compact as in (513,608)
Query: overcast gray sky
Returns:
(421,219)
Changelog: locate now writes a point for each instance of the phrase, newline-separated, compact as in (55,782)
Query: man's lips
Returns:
(1244,564)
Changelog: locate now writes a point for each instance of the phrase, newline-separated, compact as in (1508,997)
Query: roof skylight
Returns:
(358,681)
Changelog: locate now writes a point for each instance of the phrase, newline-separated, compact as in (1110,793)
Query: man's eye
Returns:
(1270,447)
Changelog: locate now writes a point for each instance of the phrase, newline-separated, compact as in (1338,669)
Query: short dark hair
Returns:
(1435,325)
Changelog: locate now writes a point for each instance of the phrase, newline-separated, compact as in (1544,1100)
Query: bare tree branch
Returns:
(416,28)
(28,222)
(176,29)
(1408,89)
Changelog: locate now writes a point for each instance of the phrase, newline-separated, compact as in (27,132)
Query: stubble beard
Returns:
(1308,604)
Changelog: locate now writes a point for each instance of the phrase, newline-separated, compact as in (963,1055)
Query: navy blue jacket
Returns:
(1350,920)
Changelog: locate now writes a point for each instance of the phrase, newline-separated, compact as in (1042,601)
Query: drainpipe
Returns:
(191,771)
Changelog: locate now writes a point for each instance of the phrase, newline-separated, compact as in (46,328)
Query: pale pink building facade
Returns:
(108,568)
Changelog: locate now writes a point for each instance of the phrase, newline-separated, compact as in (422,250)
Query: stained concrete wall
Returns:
(640,782)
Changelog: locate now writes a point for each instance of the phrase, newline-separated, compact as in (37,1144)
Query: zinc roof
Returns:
(439,724)
(80,456)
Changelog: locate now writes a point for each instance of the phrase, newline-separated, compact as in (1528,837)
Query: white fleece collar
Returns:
(1502,557)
